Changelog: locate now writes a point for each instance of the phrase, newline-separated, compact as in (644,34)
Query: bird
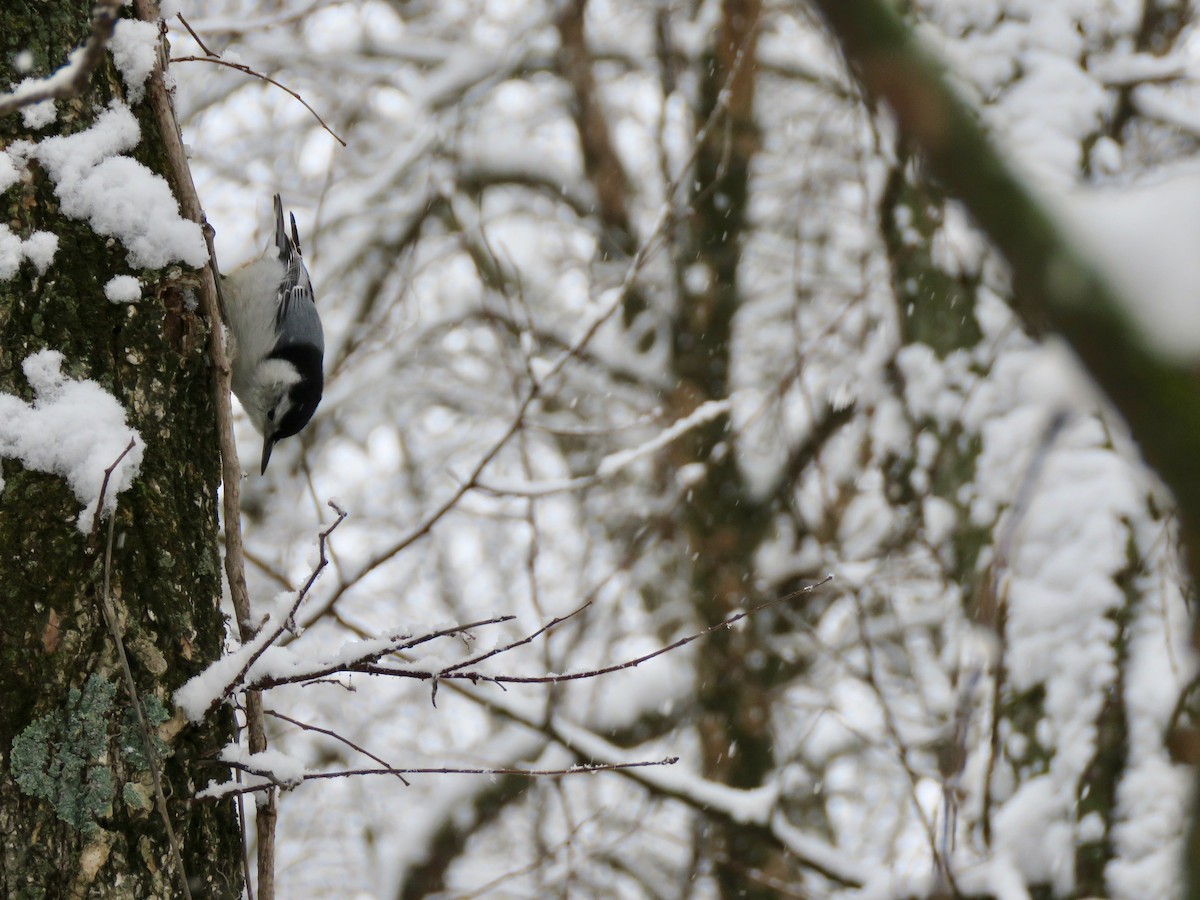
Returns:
(278,345)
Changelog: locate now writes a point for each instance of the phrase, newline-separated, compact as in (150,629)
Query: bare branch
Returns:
(583,769)
(337,737)
(249,71)
(211,303)
(397,644)
(525,640)
(476,677)
(104,491)
(195,36)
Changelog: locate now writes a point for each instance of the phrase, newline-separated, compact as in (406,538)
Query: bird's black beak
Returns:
(268,443)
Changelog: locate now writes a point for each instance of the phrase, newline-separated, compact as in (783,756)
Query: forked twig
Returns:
(104,490)
(267,78)
(501,680)
(195,36)
(367,664)
(337,737)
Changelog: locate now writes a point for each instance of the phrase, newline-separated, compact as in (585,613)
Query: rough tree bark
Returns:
(60,684)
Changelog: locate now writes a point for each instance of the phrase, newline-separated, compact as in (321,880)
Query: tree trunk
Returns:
(77,800)
(724,523)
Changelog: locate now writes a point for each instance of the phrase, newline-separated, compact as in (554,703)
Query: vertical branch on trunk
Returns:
(231,475)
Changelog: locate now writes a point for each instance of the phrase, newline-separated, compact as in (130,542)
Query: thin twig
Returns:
(589,673)
(519,643)
(509,646)
(337,737)
(322,542)
(195,36)
(397,644)
(424,527)
(104,490)
(288,622)
(72,79)
(249,71)
(475,677)
(584,769)
(110,618)
(871,676)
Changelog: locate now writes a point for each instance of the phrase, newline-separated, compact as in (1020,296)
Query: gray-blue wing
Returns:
(297,321)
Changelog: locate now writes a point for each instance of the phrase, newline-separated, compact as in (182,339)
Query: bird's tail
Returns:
(282,241)
(288,245)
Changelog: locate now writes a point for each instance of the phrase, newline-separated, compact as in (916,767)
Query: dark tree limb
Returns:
(600,160)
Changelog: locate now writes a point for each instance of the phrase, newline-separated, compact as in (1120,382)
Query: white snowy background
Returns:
(454,247)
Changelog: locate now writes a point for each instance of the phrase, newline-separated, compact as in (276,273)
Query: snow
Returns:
(123,289)
(1031,827)
(39,248)
(197,696)
(806,846)
(1145,237)
(9,175)
(72,428)
(703,414)
(117,195)
(940,519)
(278,766)
(134,47)
(1137,68)
(268,766)
(262,660)
(41,114)
(37,116)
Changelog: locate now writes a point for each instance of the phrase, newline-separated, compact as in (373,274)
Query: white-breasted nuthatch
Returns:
(278,345)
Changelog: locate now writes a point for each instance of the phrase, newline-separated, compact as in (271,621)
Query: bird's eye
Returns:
(271,415)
